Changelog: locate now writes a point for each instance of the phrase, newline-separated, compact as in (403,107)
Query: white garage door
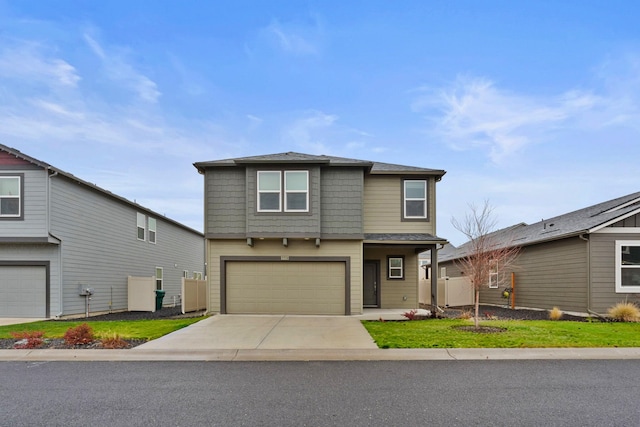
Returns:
(285,287)
(23,291)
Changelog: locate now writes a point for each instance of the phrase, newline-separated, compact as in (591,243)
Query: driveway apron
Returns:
(267,332)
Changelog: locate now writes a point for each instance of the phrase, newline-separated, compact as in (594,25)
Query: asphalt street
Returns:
(453,393)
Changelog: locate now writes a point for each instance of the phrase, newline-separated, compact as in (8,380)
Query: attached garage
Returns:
(294,286)
(23,291)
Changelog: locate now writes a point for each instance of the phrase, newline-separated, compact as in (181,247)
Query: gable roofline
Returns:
(371,167)
(56,171)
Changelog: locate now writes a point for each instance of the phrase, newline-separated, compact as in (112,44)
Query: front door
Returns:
(370,291)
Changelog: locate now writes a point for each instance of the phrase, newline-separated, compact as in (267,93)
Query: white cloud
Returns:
(119,70)
(27,61)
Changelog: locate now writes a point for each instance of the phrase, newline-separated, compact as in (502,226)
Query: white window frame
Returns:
(287,192)
(390,268)
(152,230)
(618,260)
(13,196)
(406,199)
(279,191)
(197,275)
(185,274)
(141,221)
(159,278)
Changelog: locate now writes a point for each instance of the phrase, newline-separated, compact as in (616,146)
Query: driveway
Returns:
(267,332)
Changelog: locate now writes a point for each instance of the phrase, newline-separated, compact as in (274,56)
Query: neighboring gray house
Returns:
(584,261)
(306,234)
(60,234)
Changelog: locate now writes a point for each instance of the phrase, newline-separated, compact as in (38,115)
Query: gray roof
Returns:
(582,221)
(301,158)
(404,237)
(47,166)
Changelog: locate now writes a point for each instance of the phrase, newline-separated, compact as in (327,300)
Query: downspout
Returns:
(582,237)
(60,257)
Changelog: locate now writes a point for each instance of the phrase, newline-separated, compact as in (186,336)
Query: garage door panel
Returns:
(285,287)
(23,291)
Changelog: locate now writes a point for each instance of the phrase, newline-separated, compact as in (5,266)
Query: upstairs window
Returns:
(159,272)
(10,197)
(627,260)
(152,230)
(269,191)
(272,198)
(415,199)
(296,190)
(142,227)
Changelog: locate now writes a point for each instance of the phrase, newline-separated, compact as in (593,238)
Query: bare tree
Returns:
(488,256)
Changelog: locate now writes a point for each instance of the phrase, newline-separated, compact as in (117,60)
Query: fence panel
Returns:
(194,295)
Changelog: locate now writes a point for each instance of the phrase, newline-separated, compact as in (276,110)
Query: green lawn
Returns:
(134,329)
(442,333)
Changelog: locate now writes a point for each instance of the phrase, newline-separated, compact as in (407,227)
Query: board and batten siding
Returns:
(603,270)
(396,293)
(34,222)
(100,247)
(225,202)
(307,248)
(383,196)
(547,275)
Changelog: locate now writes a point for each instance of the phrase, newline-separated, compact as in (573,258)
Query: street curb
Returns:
(248,355)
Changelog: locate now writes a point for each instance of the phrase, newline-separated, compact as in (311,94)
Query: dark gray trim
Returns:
(24,240)
(225,259)
(293,235)
(336,236)
(225,236)
(22,197)
(404,267)
(426,201)
(47,267)
(376,262)
(283,199)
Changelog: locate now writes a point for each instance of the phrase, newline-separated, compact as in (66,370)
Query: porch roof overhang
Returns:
(420,241)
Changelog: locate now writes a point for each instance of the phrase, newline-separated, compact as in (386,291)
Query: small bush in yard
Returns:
(555,313)
(113,341)
(466,315)
(411,314)
(625,312)
(33,339)
(81,334)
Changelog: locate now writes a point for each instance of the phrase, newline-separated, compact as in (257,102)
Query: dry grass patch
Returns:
(625,312)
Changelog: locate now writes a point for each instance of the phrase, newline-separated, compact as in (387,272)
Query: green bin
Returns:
(159,298)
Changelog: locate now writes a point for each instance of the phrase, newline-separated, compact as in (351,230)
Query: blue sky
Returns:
(534,106)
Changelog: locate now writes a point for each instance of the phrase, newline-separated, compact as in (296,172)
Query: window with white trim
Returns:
(159,274)
(395,267)
(296,191)
(415,199)
(197,275)
(185,274)
(152,230)
(142,227)
(10,197)
(288,191)
(627,259)
(269,186)
(493,278)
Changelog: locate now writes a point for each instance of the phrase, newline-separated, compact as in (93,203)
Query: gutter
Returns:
(61,246)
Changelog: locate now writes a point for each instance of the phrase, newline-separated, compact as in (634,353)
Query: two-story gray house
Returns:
(312,234)
(60,235)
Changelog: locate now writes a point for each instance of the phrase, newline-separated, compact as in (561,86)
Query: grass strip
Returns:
(126,329)
(442,333)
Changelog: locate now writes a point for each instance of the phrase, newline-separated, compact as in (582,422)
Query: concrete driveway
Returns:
(267,332)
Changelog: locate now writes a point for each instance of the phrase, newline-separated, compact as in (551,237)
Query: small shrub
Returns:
(113,341)
(625,312)
(466,315)
(555,314)
(411,314)
(80,335)
(33,339)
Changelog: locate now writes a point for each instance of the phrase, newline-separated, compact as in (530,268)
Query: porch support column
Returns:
(434,279)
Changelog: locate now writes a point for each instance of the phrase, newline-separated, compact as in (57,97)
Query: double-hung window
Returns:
(415,199)
(272,198)
(396,267)
(296,191)
(269,186)
(152,230)
(10,197)
(627,259)
(159,274)
(142,226)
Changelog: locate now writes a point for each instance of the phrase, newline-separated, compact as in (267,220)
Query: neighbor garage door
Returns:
(285,287)
(23,291)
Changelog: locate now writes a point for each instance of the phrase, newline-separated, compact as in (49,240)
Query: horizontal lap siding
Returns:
(603,268)
(34,223)
(225,201)
(551,274)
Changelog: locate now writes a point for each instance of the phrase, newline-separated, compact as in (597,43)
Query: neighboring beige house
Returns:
(584,261)
(304,234)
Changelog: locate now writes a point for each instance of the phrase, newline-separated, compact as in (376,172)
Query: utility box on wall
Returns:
(84,290)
